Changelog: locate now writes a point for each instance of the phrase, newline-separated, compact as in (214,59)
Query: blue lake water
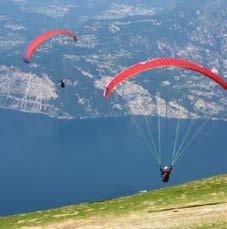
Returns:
(47,163)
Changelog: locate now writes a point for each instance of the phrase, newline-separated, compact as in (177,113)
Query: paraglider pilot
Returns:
(165,173)
(62,83)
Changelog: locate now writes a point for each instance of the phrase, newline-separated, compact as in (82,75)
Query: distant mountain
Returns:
(112,36)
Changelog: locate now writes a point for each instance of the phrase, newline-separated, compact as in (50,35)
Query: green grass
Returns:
(201,192)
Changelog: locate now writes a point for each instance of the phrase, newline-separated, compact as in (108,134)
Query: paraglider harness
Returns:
(165,173)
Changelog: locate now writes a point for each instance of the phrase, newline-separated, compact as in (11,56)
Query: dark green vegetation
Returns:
(205,192)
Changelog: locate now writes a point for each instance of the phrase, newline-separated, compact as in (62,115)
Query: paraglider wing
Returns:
(42,38)
(161,62)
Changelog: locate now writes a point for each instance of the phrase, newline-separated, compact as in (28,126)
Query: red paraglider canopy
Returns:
(41,38)
(161,62)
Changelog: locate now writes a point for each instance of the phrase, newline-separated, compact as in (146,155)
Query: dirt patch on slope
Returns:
(178,217)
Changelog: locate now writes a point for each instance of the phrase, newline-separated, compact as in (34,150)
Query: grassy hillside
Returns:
(205,200)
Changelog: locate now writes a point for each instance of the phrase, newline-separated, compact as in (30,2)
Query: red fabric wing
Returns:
(161,62)
(41,38)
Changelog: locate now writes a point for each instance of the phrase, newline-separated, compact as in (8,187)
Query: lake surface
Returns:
(48,163)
